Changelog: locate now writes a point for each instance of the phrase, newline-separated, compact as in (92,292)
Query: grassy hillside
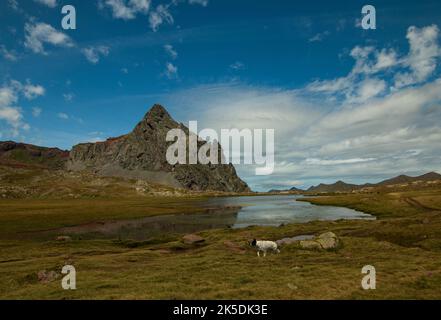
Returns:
(404,244)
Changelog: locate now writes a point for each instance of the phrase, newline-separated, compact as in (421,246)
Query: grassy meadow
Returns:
(404,245)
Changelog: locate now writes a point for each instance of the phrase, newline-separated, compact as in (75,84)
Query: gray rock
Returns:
(328,240)
(310,244)
(286,241)
(325,241)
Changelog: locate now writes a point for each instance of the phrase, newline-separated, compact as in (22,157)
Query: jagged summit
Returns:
(141,154)
(157,113)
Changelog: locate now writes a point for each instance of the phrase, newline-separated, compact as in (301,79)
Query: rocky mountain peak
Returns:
(157,114)
(141,154)
(157,121)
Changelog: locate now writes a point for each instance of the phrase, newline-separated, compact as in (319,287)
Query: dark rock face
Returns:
(141,154)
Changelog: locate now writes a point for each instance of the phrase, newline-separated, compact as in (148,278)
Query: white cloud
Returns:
(385,59)
(7,96)
(171,51)
(367,89)
(37,34)
(49,3)
(423,55)
(13,116)
(130,9)
(9,111)
(323,141)
(160,16)
(63,116)
(94,54)
(36,111)
(126,9)
(31,91)
(364,83)
(171,71)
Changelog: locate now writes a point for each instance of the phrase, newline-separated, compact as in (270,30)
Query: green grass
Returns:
(404,244)
(19,216)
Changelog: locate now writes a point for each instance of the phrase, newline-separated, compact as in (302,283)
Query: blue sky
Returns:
(346,103)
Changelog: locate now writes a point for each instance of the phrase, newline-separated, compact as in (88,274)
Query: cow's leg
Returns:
(258,253)
(264,253)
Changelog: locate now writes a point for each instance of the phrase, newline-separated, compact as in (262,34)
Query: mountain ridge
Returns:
(17,154)
(341,186)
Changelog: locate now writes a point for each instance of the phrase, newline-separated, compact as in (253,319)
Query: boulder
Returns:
(310,245)
(286,241)
(192,239)
(328,240)
(325,241)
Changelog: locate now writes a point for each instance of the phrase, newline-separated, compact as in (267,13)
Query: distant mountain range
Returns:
(341,186)
(293,189)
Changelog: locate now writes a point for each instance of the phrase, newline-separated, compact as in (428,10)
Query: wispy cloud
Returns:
(36,111)
(94,53)
(171,52)
(238,65)
(423,55)
(363,82)
(68,97)
(319,36)
(159,16)
(38,34)
(323,129)
(63,116)
(8,54)
(49,3)
(203,3)
(13,4)
(9,111)
(171,71)
(126,9)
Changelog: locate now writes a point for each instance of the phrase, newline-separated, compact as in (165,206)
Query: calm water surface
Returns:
(231,212)
(277,210)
